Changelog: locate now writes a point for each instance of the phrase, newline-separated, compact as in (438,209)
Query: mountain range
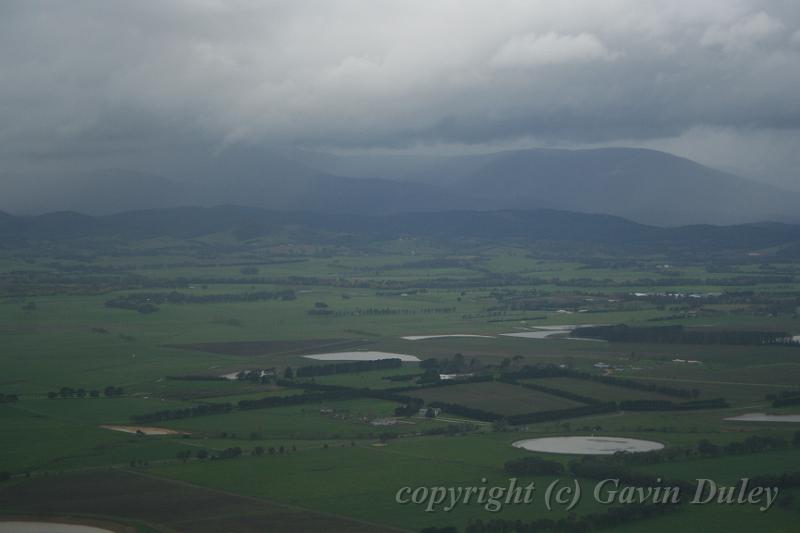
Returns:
(496,227)
(646,186)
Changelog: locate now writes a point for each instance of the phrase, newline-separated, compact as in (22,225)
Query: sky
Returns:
(97,83)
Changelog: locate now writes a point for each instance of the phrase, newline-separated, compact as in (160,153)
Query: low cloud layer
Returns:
(92,80)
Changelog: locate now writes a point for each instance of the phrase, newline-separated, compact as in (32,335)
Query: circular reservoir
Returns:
(587,445)
(48,527)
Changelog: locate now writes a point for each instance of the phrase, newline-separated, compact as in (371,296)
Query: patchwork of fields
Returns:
(257,437)
(496,397)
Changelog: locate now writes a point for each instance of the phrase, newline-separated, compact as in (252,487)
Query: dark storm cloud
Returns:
(97,78)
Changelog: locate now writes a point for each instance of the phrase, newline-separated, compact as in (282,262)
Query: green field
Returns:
(335,463)
(496,398)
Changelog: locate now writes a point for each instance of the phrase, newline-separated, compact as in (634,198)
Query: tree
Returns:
(183,455)
(258,450)
(52,395)
(288,373)
(202,454)
(500,425)
(94,393)
(112,391)
(429,363)
(706,448)
(431,375)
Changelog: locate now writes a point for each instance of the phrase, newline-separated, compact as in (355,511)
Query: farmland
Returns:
(496,397)
(188,336)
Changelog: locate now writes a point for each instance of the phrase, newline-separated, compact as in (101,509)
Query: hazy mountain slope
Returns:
(300,191)
(644,185)
(490,226)
(96,192)
(267,181)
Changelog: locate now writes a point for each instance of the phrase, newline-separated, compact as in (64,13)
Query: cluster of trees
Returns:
(588,468)
(148,302)
(533,466)
(453,365)
(752,444)
(401,377)
(346,368)
(785,398)
(68,392)
(469,412)
(383,311)
(272,450)
(679,335)
(614,516)
(451,429)
(410,408)
(666,405)
(300,399)
(787,480)
(8,398)
(558,414)
(197,377)
(553,392)
(258,375)
(703,448)
(197,410)
(227,453)
(550,370)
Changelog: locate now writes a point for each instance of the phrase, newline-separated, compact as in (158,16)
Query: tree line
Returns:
(580,398)
(613,517)
(173,414)
(346,368)
(666,405)
(551,371)
(68,392)
(785,398)
(380,311)
(146,302)
(679,335)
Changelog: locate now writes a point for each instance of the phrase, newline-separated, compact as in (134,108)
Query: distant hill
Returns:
(483,226)
(96,192)
(644,185)
(647,186)
(271,182)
